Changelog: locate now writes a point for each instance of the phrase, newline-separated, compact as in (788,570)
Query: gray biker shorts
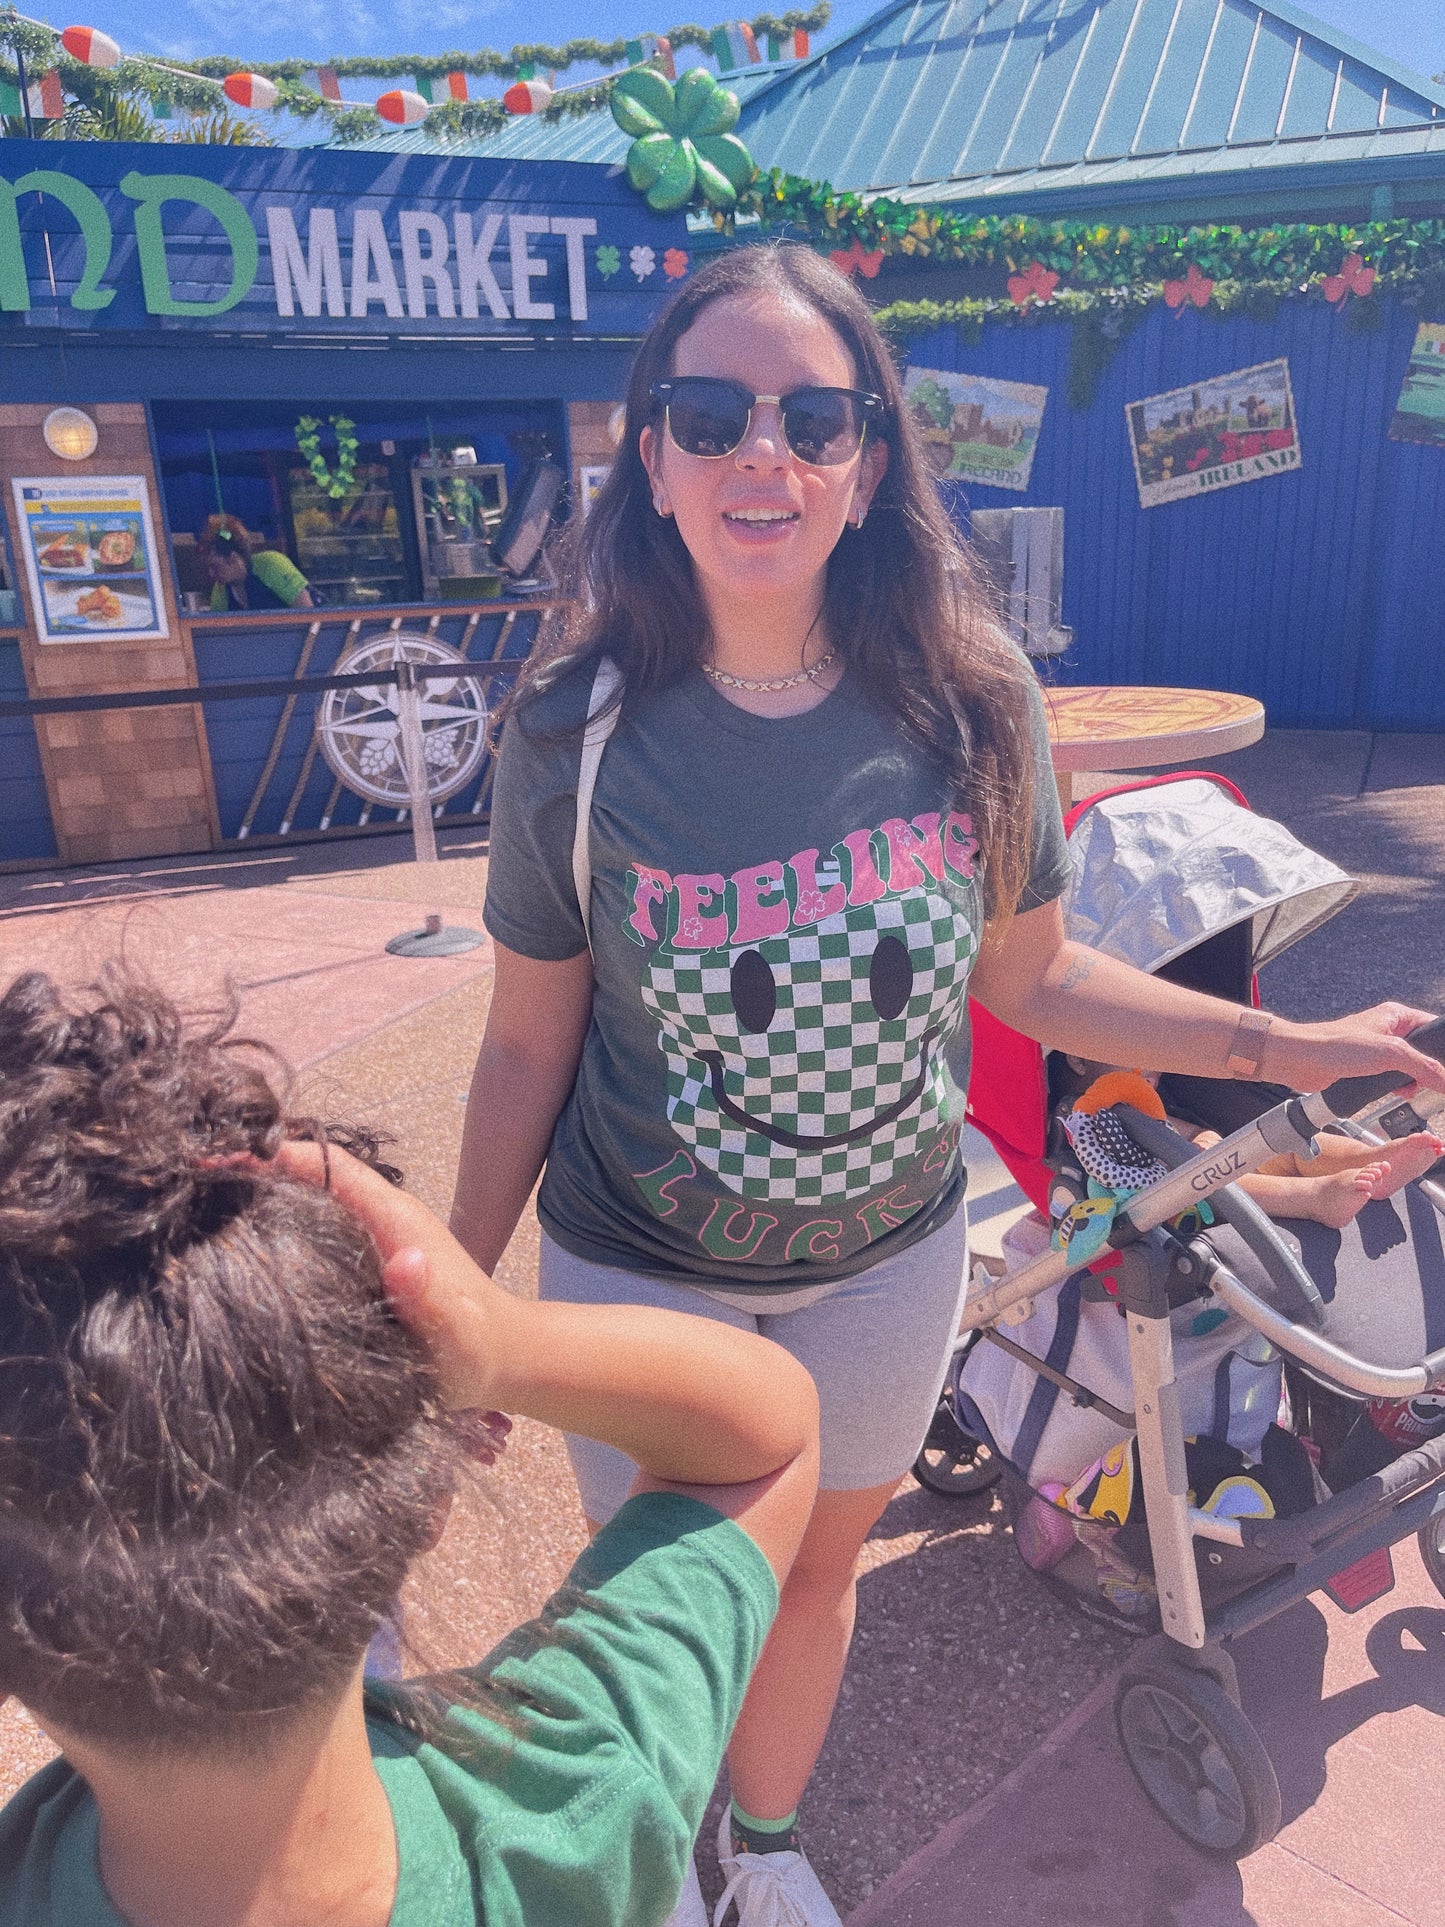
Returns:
(877,1345)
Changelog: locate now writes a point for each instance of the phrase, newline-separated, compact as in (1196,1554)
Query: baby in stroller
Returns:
(1331,1189)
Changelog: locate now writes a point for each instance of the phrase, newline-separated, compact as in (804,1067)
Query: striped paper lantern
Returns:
(251,90)
(437,88)
(526,97)
(402,107)
(655,48)
(734,45)
(90,47)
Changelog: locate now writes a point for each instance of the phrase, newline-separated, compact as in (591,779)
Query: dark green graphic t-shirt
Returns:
(785,914)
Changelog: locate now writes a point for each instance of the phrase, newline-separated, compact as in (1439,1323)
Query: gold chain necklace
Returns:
(761,683)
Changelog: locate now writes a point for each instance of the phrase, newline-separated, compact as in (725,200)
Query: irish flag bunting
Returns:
(735,45)
(440,87)
(44,96)
(327,83)
(788,46)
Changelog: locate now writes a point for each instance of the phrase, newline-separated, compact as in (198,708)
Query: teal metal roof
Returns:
(1023,103)
(954,99)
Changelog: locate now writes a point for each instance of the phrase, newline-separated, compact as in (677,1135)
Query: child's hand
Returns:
(431,1283)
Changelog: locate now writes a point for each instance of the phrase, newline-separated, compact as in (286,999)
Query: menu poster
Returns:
(90,557)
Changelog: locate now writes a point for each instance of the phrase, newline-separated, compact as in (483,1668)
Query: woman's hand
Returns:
(1307,1057)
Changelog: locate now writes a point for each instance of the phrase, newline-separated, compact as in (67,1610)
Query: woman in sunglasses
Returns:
(730,1001)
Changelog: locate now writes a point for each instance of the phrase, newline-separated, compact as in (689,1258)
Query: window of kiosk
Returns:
(378,503)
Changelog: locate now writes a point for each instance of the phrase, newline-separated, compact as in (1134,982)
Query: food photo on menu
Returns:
(92,572)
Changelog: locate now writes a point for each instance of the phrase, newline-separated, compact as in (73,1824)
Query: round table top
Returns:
(1105,726)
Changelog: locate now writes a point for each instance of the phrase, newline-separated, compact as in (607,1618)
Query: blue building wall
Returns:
(1321,591)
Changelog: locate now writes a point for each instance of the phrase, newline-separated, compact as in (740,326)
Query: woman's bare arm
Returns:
(1076,999)
(524,1074)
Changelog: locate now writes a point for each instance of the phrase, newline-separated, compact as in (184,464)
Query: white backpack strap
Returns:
(605,684)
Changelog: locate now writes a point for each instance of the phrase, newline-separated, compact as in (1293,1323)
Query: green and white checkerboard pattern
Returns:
(827,1062)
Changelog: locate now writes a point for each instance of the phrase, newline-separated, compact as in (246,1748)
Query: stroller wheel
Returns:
(1431,1541)
(953,1462)
(1198,1759)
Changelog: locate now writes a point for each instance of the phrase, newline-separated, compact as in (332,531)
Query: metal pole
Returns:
(413,757)
(24,94)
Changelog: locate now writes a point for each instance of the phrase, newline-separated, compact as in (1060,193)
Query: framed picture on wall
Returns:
(1218,432)
(90,557)
(974,428)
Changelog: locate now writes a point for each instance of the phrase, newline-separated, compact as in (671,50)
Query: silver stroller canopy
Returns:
(1156,871)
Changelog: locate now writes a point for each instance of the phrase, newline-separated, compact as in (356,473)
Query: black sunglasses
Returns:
(822,426)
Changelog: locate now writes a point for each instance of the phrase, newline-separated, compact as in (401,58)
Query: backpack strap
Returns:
(605,684)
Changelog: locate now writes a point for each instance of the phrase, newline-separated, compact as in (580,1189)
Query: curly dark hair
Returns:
(904,602)
(219,1450)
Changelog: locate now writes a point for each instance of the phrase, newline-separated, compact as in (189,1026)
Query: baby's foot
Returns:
(1407,1159)
(1337,1199)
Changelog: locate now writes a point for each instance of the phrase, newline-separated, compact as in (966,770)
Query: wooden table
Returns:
(1100,726)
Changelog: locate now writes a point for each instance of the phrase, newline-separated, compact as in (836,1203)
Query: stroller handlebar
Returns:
(1350,1094)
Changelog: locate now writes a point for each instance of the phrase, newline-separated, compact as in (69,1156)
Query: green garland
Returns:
(339,481)
(199,89)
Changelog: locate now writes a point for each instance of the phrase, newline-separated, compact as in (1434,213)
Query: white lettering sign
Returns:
(445,271)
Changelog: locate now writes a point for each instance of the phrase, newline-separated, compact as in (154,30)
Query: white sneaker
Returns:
(770,1889)
(691,1910)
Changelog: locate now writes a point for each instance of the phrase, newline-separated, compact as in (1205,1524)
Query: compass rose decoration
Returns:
(359,732)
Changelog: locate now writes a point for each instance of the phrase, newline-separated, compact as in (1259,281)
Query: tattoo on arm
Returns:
(1077,969)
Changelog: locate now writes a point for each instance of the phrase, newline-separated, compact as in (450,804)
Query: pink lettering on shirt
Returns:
(811,903)
(913,848)
(960,845)
(864,883)
(694,930)
(648,886)
(762,903)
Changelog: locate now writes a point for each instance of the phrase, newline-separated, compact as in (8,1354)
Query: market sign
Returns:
(115,235)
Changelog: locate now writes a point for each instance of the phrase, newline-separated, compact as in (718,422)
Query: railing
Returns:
(269,786)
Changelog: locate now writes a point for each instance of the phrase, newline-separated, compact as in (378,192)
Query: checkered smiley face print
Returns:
(809,1066)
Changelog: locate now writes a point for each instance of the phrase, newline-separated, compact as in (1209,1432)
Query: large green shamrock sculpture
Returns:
(682,144)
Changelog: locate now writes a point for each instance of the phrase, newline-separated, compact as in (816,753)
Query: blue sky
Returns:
(1413,31)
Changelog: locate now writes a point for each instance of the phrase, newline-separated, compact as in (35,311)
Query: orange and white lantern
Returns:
(251,90)
(527,97)
(90,47)
(402,107)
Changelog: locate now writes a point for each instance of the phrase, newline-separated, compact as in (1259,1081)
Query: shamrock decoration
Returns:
(1195,287)
(1353,278)
(609,260)
(1036,283)
(682,145)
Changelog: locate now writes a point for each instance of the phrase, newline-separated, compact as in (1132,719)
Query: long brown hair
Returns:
(903,604)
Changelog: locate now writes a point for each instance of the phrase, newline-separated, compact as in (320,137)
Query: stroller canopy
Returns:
(1159,869)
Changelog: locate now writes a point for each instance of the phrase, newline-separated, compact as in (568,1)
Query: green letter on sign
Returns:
(94,224)
(151,192)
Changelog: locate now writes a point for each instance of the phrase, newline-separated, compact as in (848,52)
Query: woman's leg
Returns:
(877,1348)
(784,1721)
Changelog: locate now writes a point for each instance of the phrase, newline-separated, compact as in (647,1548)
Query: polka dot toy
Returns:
(1104,1148)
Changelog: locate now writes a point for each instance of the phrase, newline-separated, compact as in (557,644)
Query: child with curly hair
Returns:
(225,1354)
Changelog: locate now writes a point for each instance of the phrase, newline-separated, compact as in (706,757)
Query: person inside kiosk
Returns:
(357,505)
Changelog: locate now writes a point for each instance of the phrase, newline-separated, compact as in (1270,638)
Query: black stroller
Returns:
(1322,1348)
